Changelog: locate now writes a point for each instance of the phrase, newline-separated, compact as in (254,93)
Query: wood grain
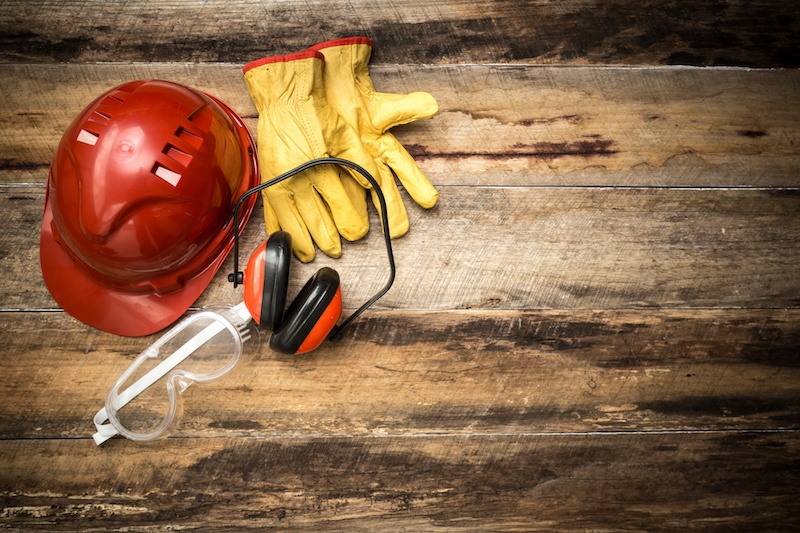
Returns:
(760,33)
(560,248)
(612,482)
(596,329)
(497,125)
(421,373)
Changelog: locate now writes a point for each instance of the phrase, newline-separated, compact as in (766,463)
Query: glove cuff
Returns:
(305,54)
(286,81)
(347,41)
(347,59)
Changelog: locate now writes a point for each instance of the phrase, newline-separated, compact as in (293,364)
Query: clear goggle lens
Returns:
(145,402)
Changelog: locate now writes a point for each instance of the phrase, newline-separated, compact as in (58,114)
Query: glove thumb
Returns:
(390,110)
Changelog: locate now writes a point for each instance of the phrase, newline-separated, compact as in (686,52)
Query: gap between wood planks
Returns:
(450,435)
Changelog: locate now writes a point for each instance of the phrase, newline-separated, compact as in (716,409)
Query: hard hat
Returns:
(139,204)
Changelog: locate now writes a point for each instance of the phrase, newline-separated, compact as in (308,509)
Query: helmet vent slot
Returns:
(178,155)
(170,176)
(194,140)
(99,117)
(111,101)
(87,137)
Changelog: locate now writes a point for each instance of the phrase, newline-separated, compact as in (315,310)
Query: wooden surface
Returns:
(597,328)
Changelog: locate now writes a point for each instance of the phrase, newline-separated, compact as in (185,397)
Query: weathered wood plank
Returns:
(762,33)
(497,125)
(422,373)
(659,392)
(525,248)
(620,482)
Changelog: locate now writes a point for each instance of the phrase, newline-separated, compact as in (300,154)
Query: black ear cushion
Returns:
(277,259)
(305,311)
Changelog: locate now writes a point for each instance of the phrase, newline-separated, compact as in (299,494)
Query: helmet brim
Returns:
(134,314)
(114,311)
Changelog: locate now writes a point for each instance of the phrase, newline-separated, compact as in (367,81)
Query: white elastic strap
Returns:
(105,429)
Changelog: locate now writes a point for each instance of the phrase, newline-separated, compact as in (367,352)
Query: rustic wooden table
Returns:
(597,328)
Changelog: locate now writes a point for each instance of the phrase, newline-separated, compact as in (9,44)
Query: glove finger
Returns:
(270,218)
(350,221)
(390,110)
(291,221)
(318,220)
(396,210)
(409,174)
(358,197)
(345,142)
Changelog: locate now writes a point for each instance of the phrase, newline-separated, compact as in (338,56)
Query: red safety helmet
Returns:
(140,198)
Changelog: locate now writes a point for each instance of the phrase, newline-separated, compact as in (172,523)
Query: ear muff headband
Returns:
(237,276)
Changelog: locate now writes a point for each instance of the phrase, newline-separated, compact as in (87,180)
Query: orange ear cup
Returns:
(266,279)
(311,316)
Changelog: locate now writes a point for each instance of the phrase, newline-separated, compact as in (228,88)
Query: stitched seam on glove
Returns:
(305,54)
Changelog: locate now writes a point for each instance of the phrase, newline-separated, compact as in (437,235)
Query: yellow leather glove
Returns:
(295,125)
(350,91)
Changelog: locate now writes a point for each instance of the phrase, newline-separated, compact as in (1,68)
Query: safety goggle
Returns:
(145,403)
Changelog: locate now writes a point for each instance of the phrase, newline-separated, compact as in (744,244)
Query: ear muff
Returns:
(266,279)
(311,316)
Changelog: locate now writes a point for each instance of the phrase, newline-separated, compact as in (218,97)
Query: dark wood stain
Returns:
(753,134)
(577,481)
(539,150)
(723,32)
